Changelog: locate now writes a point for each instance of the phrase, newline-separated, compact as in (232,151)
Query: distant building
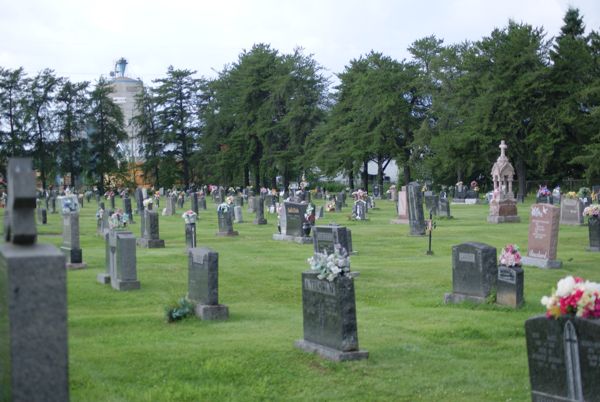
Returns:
(124,91)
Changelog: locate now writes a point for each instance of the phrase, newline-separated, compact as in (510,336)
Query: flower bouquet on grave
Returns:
(391,189)
(223,208)
(573,297)
(592,210)
(544,192)
(475,186)
(189,216)
(584,192)
(118,220)
(147,202)
(99,214)
(571,195)
(331,266)
(510,256)
(109,194)
(309,215)
(330,206)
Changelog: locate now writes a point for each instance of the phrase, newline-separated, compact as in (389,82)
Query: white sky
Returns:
(82,39)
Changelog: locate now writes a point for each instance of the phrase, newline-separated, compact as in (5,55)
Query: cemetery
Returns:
(250,322)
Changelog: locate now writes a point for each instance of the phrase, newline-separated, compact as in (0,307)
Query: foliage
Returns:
(183,308)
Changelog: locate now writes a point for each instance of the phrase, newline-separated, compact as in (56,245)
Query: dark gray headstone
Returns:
(202,203)
(127,209)
(474,272)
(510,286)
(111,200)
(151,237)
(416,218)
(225,221)
(259,207)
(325,238)
(190,235)
(139,199)
(571,212)
(237,213)
(359,210)
(329,312)
(431,202)
(563,358)
(33,301)
(294,214)
(594,233)
(195,202)
(71,246)
(444,208)
(339,203)
(124,275)
(203,284)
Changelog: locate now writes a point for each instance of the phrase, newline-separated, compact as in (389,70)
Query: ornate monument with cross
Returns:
(503,206)
(33,301)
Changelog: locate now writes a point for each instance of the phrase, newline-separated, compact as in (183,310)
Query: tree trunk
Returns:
(380,171)
(351,179)
(521,176)
(246,176)
(406,167)
(366,175)
(257,176)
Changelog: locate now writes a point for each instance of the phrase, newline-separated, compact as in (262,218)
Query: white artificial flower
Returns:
(565,286)
(591,287)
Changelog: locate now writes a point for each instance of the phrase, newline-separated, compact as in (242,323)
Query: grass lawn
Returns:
(122,349)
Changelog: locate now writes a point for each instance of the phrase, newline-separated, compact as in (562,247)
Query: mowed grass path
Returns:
(121,348)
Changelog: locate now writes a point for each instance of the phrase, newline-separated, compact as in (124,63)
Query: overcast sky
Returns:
(82,39)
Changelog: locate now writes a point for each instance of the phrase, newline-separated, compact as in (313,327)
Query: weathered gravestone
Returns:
(292,222)
(444,207)
(563,356)
(319,214)
(238,201)
(326,237)
(225,220)
(571,212)
(416,218)
(171,205)
(401,207)
(251,204)
(474,273)
(121,267)
(190,235)
(359,210)
(339,203)
(203,284)
(594,233)
(237,213)
(127,208)
(510,286)
(202,202)
(70,246)
(329,318)
(195,202)
(543,237)
(259,207)
(151,237)
(33,301)
(139,199)
(431,202)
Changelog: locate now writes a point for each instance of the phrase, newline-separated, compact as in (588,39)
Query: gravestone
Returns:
(503,206)
(431,202)
(111,200)
(190,235)
(195,202)
(202,202)
(510,286)
(339,203)
(151,237)
(326,237)
(460,193)
(53,204)
(251,204)
(180,200)
(38,210)
(44,216)
(359,210)
(237,213)
(139,201)
(127,208)
(71,247)
(571,212)
(329,318)
(291,223)
(203,284)
(259,206)
(319,214)
(594,233)
(124,274)
(542,241)
(238,201)
(33,301)
(225,221)
(401,207)
(474,273)
(444,208)
(563,357)
(416,218)
(377,191)
(171,205)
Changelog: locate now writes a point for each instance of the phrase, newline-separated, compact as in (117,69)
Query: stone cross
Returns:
(20,222)
(502,147)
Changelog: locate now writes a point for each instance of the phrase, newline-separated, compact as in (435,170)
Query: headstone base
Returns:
(295,239)
(212,312)
(541,262)
(458,201)
(150,243)
(399,221)
(593,249)
(503,219)
(73,255)
(260,221)
(329,353)
(470,201)
(76,265)
(227,234)
(455,298)
(118,284)
(103,278)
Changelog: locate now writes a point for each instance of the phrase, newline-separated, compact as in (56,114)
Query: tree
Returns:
(40,117)
(106,131)
(151,137)
(178,99)
(13,133)
(71,113)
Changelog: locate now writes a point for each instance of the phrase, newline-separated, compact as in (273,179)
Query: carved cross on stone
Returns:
(502,147)
(19,219)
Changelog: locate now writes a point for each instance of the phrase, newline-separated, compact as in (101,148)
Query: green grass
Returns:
(122,349)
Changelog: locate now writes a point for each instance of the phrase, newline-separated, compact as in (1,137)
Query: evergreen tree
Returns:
(13,132)
(151,138)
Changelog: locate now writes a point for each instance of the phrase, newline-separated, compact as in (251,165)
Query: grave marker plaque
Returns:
(571,212)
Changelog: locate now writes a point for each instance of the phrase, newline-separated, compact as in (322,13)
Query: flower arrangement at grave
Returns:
(360,195)
(510,256)
(99,214)
(147,202)
(475,186)
(225,206)
(571,195)
(391,189)
(573,296)
(331,266)
(330,206)
(584,192)
(459,184)
(543,191)
(183,308)
(189,216)
(309,215)
(592,210)
(109,194)
(118,219)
